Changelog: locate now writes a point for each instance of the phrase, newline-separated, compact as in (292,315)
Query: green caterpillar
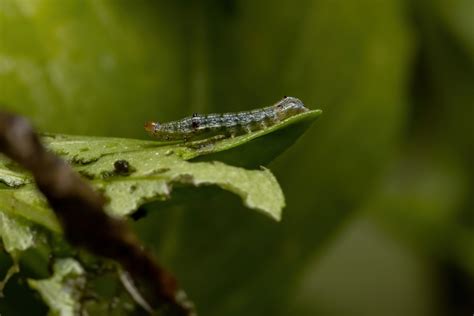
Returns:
(198,127)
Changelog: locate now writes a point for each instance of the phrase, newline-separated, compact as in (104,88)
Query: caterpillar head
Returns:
(152,127)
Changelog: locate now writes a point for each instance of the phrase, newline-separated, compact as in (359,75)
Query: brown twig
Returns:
(80,211)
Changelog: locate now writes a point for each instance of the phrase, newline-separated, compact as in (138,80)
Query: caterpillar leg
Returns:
(200,144)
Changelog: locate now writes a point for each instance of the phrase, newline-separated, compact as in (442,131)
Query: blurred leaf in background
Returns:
(394,78)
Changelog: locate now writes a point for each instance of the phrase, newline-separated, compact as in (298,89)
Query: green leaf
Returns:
(27,203)
(16,234)
(258,189)
(249,150)
(11,177)
(152,179)
(62,291)
(156,166)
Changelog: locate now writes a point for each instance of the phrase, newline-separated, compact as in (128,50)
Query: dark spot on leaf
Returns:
(122,166)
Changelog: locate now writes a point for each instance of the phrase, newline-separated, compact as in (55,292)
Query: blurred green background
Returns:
(380,215)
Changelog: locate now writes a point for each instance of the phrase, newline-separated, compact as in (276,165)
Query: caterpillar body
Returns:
(199,126)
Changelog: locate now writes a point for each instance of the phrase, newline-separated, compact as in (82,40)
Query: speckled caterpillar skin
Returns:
(197,126)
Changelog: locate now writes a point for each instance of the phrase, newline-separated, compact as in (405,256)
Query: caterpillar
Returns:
(199,126)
